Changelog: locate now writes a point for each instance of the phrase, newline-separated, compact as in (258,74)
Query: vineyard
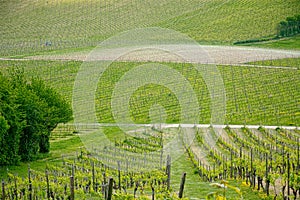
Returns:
(61,27)
(263,159)
(160,109)
(256,159)
(255,95)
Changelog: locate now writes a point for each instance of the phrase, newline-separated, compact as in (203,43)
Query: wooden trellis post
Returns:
(110,188)
(298,154)
(153,192)
(48,187)
(168,171)
(93,176)
(72,196)
(182,185)
(288,175)
(30,184)
(231,164)
(119,175)
(267,174)
(3,190)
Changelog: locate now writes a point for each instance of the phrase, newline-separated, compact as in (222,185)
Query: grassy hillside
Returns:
(26,26)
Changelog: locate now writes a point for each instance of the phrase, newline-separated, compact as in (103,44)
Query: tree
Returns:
(282,29)
(56,110)
(29,111)
(11,124)
(32,115)
(298,23)
(289,27)
(33,110)
(3,136)
(291,24)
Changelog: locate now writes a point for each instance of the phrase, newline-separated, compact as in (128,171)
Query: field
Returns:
(254,95)
(228,150)
(151,127)
(244,97)
(28,26)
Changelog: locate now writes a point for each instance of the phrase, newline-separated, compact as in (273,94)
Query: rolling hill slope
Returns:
(27,26)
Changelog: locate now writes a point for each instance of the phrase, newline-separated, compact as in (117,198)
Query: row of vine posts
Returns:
(106,187)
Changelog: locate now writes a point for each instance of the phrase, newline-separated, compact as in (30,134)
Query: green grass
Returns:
(69,24)
(114,133)
(284,43)
(69,145)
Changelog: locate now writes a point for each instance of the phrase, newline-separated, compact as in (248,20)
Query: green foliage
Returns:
(57,110)
(11,123)
(289,27)
(30,111)
(252,40)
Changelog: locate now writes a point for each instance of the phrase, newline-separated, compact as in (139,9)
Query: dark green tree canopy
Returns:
(29,111)
(289,27)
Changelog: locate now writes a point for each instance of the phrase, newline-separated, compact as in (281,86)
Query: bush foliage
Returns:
(289,27)
(29,111)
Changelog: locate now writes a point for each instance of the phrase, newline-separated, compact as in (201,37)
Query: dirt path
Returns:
(202,54)
(198,151)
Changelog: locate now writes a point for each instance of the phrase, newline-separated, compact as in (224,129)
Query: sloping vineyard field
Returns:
(266,160)
(254,95)
(262,162)
(31,27)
